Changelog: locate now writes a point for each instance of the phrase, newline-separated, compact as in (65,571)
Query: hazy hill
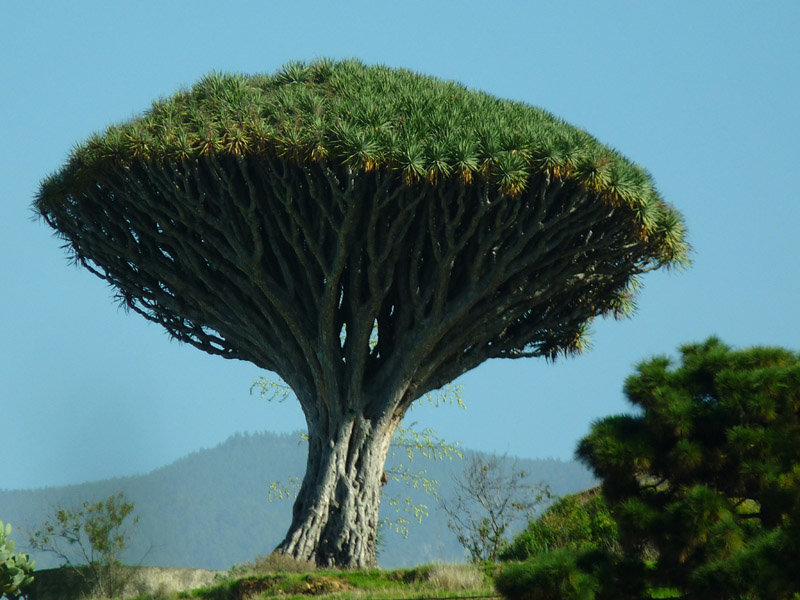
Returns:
(210,509)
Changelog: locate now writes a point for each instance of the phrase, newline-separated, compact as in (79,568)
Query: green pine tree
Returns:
(706,478)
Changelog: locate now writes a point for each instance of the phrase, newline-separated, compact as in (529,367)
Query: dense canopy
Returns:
(374,117)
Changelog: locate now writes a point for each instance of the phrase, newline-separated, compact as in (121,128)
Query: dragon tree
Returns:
(366,233)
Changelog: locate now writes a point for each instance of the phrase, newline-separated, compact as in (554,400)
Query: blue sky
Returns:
(703,94)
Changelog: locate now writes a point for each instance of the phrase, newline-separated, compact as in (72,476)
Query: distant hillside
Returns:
(210,509)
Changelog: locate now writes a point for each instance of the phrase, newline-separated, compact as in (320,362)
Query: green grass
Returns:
(255,583)
(267,578)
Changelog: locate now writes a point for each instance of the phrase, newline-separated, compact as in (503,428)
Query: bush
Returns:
(490,497)
(574,522)
(568,574)
(549,576)
(767,568)
(90,540)
(16,569)
(703,483)
(275,562)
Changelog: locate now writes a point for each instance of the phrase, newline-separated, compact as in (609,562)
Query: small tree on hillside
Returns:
(290,220)
(707,477)
(90,540)
(490,497)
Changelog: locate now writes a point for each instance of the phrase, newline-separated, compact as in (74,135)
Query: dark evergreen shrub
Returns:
(566,574)
(704,482)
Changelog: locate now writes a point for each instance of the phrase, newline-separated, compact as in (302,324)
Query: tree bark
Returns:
(335,516)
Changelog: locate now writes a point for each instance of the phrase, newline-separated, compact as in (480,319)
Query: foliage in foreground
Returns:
(568,574)
(704,483)
(89,540)
(16,568)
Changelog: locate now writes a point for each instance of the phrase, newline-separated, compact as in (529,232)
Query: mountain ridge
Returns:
(209,508)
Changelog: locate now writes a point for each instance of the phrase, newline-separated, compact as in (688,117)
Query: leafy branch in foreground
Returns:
(426,444)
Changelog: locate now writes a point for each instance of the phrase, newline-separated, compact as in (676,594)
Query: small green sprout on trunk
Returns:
(491,497)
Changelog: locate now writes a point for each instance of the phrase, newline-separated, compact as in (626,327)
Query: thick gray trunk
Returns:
(335,516)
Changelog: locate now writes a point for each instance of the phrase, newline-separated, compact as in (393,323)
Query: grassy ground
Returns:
(280,577)
(287,580)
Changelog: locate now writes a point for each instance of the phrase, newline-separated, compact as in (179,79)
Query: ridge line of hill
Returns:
(209,509)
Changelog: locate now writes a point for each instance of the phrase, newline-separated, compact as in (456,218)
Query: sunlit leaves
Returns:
(438,162)
(410,158)
(370,118)
(357,148)
(465,159)
(294,72)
